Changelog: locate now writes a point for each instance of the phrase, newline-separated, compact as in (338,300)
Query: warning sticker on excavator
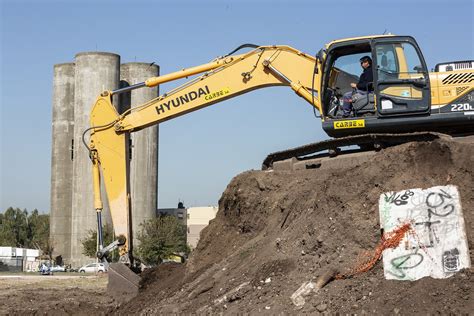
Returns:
(349,124)
(217,94)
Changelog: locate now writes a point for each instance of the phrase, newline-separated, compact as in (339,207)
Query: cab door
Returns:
(401,78)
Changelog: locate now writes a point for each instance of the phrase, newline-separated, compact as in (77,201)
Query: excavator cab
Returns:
(401,85)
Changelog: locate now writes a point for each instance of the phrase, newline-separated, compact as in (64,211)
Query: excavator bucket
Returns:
(123,283)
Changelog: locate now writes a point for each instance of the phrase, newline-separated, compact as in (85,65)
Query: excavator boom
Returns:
(226,78)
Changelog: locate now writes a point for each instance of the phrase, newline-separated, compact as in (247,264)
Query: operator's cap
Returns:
(366,58)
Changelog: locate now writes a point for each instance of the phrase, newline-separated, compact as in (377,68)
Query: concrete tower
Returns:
(62,159)
(144,159)
(95,72)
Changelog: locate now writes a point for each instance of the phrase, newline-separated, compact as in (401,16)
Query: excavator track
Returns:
(332,147)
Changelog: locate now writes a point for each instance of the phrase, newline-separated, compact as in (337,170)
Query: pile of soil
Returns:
(276,230)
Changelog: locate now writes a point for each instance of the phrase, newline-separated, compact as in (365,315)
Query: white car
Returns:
(58,269)
(95,267)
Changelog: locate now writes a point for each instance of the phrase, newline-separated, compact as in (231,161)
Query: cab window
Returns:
(387,63)
(398,61)
(350,64)
(345,70)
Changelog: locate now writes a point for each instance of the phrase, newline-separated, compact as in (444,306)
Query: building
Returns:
(197,219)
(179,212)
(18,259)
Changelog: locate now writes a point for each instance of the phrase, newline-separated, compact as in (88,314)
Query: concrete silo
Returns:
(95,72)
(62,159)
(144,158)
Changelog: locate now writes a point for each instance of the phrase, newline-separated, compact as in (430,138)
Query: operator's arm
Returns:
(365,79)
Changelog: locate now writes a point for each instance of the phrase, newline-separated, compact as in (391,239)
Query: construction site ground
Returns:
(58,294)
(276,230)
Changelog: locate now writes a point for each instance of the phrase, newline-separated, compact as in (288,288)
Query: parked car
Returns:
(96,267)
(58,269)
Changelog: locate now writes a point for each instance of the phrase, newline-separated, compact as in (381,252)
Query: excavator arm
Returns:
(221,79)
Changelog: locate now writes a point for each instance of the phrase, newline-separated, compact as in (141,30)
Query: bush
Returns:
(161,237)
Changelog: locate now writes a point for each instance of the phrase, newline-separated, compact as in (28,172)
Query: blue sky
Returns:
(200,152)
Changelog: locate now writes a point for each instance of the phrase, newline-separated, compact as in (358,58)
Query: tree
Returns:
(89,244)
(14,228)
(33,225)
(39,233)
(161,237)
(47,247)
(7,236)
(18,229)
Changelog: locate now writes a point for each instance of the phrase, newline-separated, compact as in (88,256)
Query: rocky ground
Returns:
(276,230)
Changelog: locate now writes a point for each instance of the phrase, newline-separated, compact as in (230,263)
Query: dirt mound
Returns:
(276,230)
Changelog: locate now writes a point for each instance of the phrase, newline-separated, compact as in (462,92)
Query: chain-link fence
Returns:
(11,264)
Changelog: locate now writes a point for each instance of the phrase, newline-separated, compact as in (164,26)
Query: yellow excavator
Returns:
(405,103)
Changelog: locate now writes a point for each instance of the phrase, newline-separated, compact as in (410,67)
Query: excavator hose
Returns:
(242,47)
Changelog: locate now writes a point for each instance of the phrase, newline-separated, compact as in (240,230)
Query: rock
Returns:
(278,242)
(261,185)
(268,280)
(298,296)
(465,287)
(321,307)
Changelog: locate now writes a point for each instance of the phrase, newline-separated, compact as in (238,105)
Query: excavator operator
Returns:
(361,88)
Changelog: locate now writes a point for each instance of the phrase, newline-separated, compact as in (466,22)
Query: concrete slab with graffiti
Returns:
(437,244)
